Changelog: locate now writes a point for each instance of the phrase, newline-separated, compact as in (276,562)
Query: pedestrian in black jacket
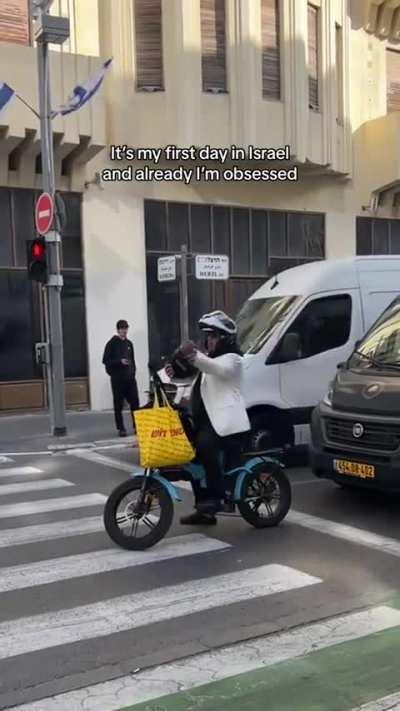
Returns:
(119,360)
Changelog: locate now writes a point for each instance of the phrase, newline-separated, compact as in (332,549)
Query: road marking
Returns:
(39,485)
(43,506)
(222,663)
(18,471)
(347,533)
(5,460)
(18,577)
(27,454)
(50,531)
(53,629)
(105,461)
(117,464)
(386,703)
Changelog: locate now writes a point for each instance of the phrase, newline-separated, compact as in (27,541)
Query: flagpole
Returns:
(51,30)
(17,96)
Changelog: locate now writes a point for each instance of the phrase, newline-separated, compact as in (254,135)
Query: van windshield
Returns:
(381,346)
(257,319)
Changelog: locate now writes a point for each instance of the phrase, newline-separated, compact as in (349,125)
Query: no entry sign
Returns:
(44,213)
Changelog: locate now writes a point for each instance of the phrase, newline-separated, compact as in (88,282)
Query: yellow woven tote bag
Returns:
(161,437)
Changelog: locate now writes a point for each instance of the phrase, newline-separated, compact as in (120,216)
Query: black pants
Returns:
(208,447)
(124,389)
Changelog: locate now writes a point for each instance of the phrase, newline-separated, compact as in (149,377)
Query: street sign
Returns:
(166,268)
(44,213)
(212,266)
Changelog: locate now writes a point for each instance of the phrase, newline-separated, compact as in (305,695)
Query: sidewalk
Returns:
(31,433)
(359,673)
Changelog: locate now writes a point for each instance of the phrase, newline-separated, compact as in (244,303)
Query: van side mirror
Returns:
(290,348)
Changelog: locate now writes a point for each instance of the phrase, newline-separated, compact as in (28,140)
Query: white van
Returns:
(297,328)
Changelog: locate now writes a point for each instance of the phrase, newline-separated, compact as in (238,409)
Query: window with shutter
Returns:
(313,56)
(271,60)
(149,47)
(213,45)
(14,21)
(393,80)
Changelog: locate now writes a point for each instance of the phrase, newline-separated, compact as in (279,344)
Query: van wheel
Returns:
(261,436)
(261,440)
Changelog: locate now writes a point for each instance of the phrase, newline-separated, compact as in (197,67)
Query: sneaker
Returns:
(198,519)
(122,433)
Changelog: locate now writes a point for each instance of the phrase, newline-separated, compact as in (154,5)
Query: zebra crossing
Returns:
(65,630)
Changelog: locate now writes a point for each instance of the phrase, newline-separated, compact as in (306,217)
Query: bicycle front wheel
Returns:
(137,522)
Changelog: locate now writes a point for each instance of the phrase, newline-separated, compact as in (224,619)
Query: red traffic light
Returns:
(38,250)
(36,260)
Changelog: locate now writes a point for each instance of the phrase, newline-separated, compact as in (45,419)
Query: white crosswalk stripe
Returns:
(30,634)
(18,471)
(77,566)
(50,531)
(38,485)
(46,505)
(345,532)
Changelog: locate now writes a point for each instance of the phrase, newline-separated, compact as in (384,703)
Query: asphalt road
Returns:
(75,610)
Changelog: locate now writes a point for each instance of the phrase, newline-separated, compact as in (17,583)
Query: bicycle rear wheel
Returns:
(266,496)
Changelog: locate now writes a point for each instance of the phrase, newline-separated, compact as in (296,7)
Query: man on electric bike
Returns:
(217,406)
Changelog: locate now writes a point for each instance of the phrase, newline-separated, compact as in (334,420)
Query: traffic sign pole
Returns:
(55,368)
(184,299)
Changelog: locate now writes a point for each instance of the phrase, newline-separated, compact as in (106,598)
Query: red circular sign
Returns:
(44,213)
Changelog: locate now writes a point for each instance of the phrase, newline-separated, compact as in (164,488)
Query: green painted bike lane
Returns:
(339,678)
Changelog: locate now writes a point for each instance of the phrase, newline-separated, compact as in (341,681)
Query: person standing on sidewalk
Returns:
(119,361)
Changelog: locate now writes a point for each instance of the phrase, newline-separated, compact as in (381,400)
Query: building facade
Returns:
(322,77)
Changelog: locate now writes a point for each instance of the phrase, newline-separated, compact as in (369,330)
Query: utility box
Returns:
(42,353)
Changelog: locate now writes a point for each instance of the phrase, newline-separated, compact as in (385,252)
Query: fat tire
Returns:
(285,499)
(130,542)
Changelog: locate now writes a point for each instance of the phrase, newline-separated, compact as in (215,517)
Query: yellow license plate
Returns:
(364,471)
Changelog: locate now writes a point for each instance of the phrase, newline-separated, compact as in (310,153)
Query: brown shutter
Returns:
(213,60)
(271,60)
(393,80)
(149,48)
(313,68)
(14,21)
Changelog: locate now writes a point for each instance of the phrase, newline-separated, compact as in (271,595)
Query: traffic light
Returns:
(37,265)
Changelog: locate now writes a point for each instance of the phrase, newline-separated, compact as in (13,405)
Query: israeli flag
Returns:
(6,94)
(83,92)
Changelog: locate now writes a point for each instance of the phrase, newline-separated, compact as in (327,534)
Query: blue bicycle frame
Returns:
(197,473)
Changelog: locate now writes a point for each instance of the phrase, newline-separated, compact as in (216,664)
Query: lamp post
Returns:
(50,29)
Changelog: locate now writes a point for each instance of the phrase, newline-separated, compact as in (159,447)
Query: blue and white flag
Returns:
(6,94)
(83,92)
